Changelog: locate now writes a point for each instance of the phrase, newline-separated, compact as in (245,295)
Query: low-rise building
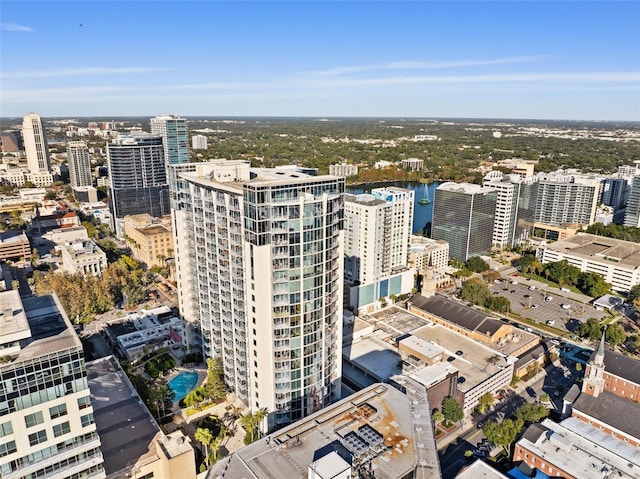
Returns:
(617,261)
(85,194)
(576,450)
(445,362)
(474,324)
(146,330)
(15,246)
(83,256)
(150,239)
(413,164)
(379,429)
(343,170)
(133,445)
(428,253)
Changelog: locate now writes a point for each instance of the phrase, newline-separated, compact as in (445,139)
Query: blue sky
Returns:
(510,59)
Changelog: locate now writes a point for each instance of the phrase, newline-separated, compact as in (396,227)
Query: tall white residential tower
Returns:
(260,271)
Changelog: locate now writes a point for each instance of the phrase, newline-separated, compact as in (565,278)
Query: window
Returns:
(5,429)
(57,411)
(8,448)
(84,402)
(86,420)
(37,437)
(60,429)
(34,419)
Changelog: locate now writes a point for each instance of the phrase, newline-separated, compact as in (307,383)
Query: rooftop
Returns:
(623,366)
(576,450)
(50,330)
(611,409)
(591,246)
(379,424)
(125,427)
(466,188)
(480,470)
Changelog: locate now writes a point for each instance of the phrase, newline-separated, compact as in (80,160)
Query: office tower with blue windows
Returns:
(463,216)
(259,264)
(137,178)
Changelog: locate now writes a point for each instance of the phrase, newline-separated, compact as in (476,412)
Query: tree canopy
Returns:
(451,410)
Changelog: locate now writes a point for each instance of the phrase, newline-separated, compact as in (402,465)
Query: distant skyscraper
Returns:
(79,164)
(515,207)
(401,200)
(374,246)
(35,144)
(259,264)
(632,214)
(566,199)
(47,427)
(137,178)
(175,137)
(463,215)
(199,142)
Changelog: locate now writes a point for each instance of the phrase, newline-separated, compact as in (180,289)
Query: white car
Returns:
(566,306)
(531,288)
(548,298)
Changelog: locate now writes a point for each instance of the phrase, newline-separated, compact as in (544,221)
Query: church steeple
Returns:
(593,383)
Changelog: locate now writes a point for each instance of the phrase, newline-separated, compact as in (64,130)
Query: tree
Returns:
(215,387)
(476,291)
(477,264)
(503,433)
(531,412)
(204,437)
(544,397)
(615,335)
(562,272)
(500,304)
(251,423)
(451,410)
(485,402)
(437,416)
(593,284)
(591,329)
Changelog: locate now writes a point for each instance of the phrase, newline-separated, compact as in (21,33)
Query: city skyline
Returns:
(528,60)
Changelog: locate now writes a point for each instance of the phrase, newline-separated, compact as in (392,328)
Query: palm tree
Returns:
(204,437)
(247,423)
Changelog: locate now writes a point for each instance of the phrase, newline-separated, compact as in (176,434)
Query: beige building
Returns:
(150,239)
(15,246)
(83,256)
(428,253)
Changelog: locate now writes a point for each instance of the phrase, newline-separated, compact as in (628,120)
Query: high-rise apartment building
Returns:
(79,164)
(515,207)
(199,142)
(35,144)
(566,199)
(259,258)
(402,201)
(175,137)
(367,251)
(137,178)
(375,248)
(632,213)
(463,215)
(47,427)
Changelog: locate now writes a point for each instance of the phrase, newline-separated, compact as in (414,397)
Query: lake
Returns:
(422,214)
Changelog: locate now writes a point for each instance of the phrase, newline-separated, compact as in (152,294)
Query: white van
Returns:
(566,306)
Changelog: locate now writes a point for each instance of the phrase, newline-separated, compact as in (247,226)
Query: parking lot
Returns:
(545,305)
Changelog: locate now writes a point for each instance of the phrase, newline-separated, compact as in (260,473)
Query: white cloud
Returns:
(419,65)
(14,27)
(80,71)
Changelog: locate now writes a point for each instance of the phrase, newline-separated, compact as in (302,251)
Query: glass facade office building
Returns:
(463,215)
(260,269)
(137,178)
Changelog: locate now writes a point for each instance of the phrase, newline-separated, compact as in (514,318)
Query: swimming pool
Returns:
(182,384)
